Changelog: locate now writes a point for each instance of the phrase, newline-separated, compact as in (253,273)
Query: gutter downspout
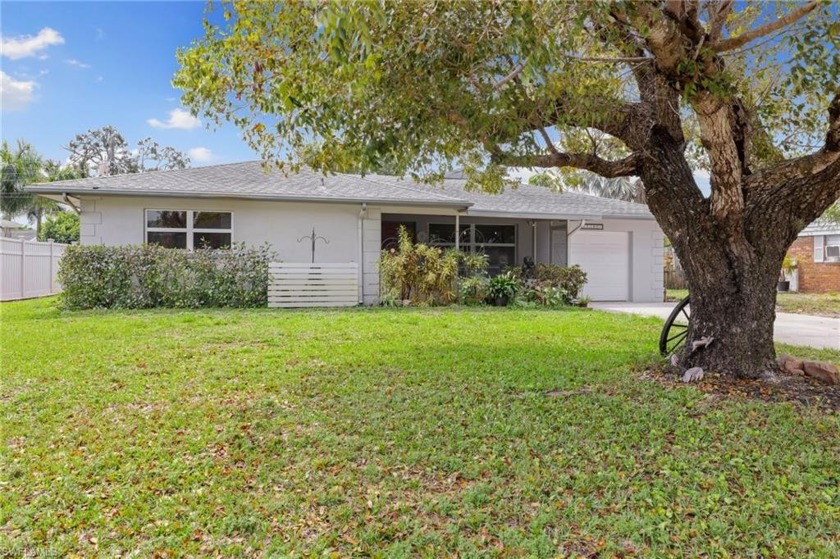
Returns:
(362,215)
(67,201)
(533,224)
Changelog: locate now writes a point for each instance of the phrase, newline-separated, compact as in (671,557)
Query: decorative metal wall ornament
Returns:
(313,237)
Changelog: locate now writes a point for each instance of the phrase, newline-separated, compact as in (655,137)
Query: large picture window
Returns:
(189,229)
(498,242)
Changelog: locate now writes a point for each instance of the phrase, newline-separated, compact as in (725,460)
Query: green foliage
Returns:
(61,227)
(548,296)
(146,276)
(418,273)
(428,86)
(474,264)
(473,290)
(833,213)
(473,285)
(503,286)
(18,168)
(570,279)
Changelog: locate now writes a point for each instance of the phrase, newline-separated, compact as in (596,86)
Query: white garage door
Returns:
(605,257)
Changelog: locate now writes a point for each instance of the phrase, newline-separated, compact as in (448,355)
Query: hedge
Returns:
(147,276)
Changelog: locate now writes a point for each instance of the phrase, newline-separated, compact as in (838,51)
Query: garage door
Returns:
(605,257)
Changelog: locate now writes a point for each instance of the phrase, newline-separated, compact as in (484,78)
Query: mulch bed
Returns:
(772,387)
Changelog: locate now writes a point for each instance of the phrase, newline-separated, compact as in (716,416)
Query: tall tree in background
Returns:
(106,152)
(151,156)
(750,89)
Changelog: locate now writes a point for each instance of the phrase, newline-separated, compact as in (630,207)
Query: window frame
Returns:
(471,245)
(190,230)
(835,242)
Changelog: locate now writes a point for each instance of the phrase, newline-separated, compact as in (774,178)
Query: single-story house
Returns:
(817,254)
(618,244)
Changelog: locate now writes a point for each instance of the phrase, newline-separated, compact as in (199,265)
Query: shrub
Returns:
(504,286)
(418,273)
(146,276)
(473,290)
(62,227)
(570,279)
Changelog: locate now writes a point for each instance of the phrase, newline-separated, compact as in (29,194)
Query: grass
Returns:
(821,304)
(390,433)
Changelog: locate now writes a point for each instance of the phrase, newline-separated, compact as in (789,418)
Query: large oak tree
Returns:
(649,89)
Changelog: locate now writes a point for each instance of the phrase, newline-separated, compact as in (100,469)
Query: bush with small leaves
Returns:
(147,276)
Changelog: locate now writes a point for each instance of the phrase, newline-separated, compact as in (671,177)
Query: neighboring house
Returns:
(19,233)
(817,253)
(617,243)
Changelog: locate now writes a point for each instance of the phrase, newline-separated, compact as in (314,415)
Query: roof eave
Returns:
(51,190)
(562,215)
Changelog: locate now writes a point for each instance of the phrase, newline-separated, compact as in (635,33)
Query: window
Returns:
(498,242)
(189,229)
(832,248)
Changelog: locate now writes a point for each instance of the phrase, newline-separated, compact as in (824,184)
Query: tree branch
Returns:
(629,122)
(718,15)
(511,76)
(629,166)
(717,135)
(741,40)
(807,165)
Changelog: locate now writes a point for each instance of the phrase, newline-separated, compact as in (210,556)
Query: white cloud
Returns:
(200,155)
(76,63)
(98,79)
(178,118)
(14,94)
(27,45)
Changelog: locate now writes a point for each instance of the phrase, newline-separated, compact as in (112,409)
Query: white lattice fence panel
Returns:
(313,285)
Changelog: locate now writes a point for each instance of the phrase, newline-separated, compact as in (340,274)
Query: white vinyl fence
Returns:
(313,285)
(29,268)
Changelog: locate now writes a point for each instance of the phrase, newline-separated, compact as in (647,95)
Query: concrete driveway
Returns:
(794,329)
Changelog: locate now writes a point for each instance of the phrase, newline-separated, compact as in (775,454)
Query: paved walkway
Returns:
(794,329)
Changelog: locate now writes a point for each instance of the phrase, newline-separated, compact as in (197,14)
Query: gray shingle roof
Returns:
(538,201)
(821,227)
(249,180)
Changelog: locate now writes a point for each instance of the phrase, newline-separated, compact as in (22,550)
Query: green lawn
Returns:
(390,433)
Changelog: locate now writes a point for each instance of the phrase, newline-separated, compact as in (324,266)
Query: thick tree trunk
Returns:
(733,300)
(732,270)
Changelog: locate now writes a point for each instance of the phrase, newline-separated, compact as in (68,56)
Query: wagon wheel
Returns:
(675,331)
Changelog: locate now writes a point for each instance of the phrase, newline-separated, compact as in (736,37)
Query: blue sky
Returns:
(68,67)
(72,66)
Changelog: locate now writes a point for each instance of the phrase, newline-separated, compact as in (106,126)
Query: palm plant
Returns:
(20,167)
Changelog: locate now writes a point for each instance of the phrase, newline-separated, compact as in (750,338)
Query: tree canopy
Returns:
(470,84)
(61,227)
(650,88)
(20,166)
(105,151)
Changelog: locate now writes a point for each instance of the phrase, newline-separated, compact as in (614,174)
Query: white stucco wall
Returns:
(353,236)
(115,220)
